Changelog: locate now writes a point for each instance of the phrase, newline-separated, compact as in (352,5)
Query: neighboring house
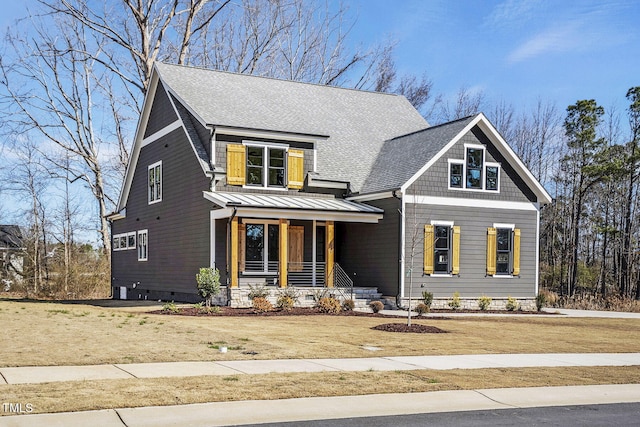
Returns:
(291,184)
(11,258)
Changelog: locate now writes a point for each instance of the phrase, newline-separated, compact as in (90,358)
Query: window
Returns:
(143,251)
(441,248)
(503,250)
(266,165)
(475,158)
(155,182)
(256,240)
(124,241)
(492,178)
(131,240)
(474,173)
(455,175)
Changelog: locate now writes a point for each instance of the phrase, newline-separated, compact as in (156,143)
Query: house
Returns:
(283,184)
(11,259)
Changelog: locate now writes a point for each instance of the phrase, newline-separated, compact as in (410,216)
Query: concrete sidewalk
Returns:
(43,374)
(318,408)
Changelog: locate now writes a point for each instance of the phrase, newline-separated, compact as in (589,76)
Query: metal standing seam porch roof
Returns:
(295,207)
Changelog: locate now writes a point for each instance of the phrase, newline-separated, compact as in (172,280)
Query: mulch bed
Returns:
(241,312)
(414,328)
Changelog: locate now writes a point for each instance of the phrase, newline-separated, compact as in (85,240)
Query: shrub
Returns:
(427,298)
(170,307)
(258,291)
(376,306)
(422,308)
(329,305)
(208,280)
(484,302)
(454,302)
(348,305)
(261,304)
(512,304)
(541,300)
(550,298)
(287,298)
(202,309)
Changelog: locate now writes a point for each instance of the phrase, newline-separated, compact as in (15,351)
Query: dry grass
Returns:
(47,333)
(89,395)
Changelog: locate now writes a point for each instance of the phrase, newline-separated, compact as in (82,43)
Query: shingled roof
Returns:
(10,237)
(356,123)
(400,158)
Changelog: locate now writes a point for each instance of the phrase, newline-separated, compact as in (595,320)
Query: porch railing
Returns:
(303,274)
(342,281)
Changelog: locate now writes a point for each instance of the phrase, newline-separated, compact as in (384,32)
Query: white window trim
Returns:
(135,240)
(126,246)
(449,224)
(146,240)
(511,227)
(455,162)
(265,261)
(159,199)
(488,165)
(464,171)
(265,164)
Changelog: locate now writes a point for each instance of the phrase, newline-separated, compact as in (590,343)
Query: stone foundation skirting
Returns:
(307,296)
(524,304)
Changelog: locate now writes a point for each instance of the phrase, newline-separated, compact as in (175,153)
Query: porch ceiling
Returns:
(293,207)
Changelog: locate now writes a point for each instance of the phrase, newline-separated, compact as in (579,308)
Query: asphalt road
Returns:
(618,415)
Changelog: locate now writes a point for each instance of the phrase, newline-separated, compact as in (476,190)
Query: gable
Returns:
(435,181)
(486,134)
(162,113)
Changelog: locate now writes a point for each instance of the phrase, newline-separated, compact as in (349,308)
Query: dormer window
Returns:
(255,164)
(265,165)
(474,172)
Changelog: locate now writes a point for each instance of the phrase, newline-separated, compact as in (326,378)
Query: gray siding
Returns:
(178,226)
(371,251)
(435,181)
(162,112)
(472,281)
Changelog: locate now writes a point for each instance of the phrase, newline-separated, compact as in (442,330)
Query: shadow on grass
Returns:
(108,303)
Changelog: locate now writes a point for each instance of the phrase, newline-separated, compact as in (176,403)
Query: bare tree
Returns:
(50,92)
(28,178)
(466,103)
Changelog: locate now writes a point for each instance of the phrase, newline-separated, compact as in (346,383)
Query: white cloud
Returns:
(511,13)
(553,40)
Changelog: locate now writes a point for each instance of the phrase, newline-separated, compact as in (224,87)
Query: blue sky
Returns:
(513,50)
(517,51)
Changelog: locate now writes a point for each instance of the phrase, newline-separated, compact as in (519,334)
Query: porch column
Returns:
(329,250)
(233,268)
(284,252)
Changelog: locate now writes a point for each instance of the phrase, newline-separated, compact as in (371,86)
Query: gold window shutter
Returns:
(516,252)
(428,248)
(295,176)
(455,262)
(491,251)
(296,248)
(236,164)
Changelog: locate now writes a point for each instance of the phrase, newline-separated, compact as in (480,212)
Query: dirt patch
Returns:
(414,328)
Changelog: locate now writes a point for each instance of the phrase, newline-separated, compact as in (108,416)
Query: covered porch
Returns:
(281,240)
